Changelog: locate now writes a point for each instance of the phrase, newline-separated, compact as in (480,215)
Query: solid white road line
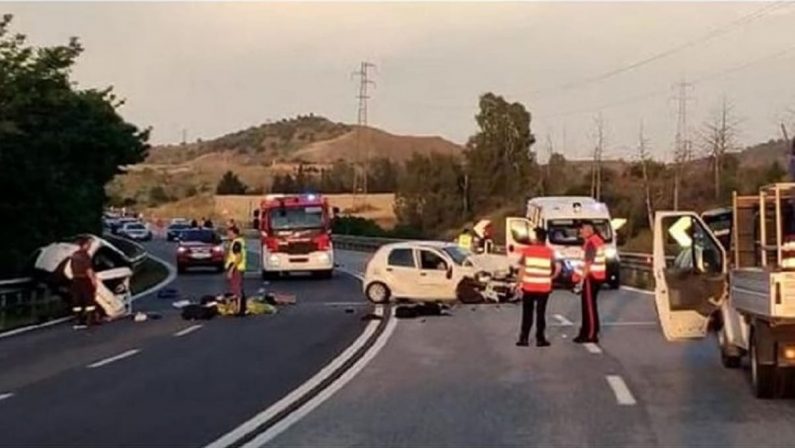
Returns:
(351,273)
(623,395)
(188,330)
(592,348)
(326,393)
(563,320)
(112,359)
(640,323)
(4,396)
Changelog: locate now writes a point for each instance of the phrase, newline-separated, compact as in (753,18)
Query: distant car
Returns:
(180,221)
(418,271)
(200,248)
(136,231)
(175,229)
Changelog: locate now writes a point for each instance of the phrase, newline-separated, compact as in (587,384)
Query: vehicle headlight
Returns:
(611,252)
(322,257)
(274,260)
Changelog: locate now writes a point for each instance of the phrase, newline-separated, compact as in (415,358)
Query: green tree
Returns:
(500,164)
(157,196)
(230,184)
(59,146)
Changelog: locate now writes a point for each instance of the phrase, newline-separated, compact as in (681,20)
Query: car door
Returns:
(689,266)
(436,275)
(401,273)
(518,234)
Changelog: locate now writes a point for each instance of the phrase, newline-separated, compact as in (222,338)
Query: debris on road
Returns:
(423,309)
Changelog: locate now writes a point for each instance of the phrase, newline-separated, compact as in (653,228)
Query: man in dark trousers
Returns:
(84,285)
(236,267)
(593,273)
(537,268)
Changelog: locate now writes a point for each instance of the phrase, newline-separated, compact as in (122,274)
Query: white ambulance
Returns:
(561,217)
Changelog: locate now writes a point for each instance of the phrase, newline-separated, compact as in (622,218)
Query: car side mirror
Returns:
(449,272)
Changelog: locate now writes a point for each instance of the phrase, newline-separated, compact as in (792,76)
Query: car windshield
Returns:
(200,236)
(566,232)
(458,254)
(178,226)
(290,218)
(136,227)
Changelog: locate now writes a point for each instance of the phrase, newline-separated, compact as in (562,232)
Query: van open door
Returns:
(689,269)
(518,234)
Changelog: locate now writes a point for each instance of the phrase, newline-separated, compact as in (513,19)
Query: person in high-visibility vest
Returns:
(592,273)
(236,267)
(537,270)
(465,240)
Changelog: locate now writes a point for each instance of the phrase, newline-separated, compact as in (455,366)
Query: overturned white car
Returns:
(51,265)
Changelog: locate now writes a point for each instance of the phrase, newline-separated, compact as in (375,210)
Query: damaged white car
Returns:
(51,265)
(429,271)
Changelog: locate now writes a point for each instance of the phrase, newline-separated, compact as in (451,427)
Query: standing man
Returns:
(84,285)
(236,267)
(465,240)
(538,269)
(593,273)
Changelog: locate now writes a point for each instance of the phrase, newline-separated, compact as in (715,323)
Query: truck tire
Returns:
(326,274)
(727,359)
(763,377)
(268,275)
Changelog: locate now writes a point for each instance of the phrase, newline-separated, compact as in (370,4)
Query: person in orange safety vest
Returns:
(537,270)
(592,272)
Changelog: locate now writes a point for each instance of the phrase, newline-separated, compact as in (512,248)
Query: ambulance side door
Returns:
(690,273)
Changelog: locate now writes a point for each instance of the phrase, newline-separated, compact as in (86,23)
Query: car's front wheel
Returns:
(378,293)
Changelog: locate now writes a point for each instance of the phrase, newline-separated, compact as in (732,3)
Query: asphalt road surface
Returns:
(170,382)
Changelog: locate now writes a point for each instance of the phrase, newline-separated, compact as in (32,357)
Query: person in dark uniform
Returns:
(84,285)
(538,269)
(593,273)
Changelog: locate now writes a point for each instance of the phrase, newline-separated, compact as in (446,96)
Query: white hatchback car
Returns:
(421,271)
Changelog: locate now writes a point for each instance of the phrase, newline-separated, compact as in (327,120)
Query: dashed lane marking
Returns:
(592,348)
(188,330)
(113,359)
(5,396)
(563,320)
(623,395)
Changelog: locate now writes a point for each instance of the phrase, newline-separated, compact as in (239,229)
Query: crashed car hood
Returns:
(492,263)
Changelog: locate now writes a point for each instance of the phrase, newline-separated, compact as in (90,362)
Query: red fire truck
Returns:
(296,235)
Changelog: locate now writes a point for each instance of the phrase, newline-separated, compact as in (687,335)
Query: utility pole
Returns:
(596,166)
(643,154)
(362,170)
(184,137)
(683,149)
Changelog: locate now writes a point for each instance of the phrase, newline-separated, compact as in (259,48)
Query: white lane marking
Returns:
(592,348)
(250,425)
(118,357)
(188,330)
(347,304)
(623,395)
(326,393)
(638,290)
(4,396)
(640,323)
(563,320)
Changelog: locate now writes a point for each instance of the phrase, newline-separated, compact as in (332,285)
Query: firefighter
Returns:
(236,267)
(538,269)
(592,273)
(465,240)
(84,285)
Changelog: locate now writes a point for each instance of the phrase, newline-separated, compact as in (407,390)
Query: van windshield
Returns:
(566,232)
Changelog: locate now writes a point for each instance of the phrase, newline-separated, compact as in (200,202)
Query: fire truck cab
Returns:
(296,235)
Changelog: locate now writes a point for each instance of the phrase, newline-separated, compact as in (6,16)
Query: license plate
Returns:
(200,255)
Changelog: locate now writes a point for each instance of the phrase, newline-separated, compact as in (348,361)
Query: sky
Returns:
(213,68)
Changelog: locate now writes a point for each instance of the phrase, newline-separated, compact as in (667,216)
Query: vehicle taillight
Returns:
(323,242)
(181,250)
(272,244)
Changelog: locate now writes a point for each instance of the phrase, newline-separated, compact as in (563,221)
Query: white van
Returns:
(561,217)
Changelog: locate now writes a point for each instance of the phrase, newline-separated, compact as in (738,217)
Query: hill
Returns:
(259,153)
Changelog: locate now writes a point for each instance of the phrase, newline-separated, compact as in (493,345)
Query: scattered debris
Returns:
(372,316)
(139,317)
(349,310)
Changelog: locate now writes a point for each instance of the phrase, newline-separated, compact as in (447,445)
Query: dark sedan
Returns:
(200,248)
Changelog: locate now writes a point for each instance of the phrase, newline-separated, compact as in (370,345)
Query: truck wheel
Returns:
(730,361)
(615,283)
(378,293)
(323,274)
(763,377)
(268,275)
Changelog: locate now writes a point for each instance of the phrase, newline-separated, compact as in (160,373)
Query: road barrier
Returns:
(635,267)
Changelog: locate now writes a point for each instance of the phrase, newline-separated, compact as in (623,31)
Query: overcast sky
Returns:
(213,68)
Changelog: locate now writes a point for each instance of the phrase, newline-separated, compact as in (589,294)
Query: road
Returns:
(454,380)
(168,381)
(459,381)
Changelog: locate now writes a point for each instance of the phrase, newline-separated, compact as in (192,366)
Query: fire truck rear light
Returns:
(323,242)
